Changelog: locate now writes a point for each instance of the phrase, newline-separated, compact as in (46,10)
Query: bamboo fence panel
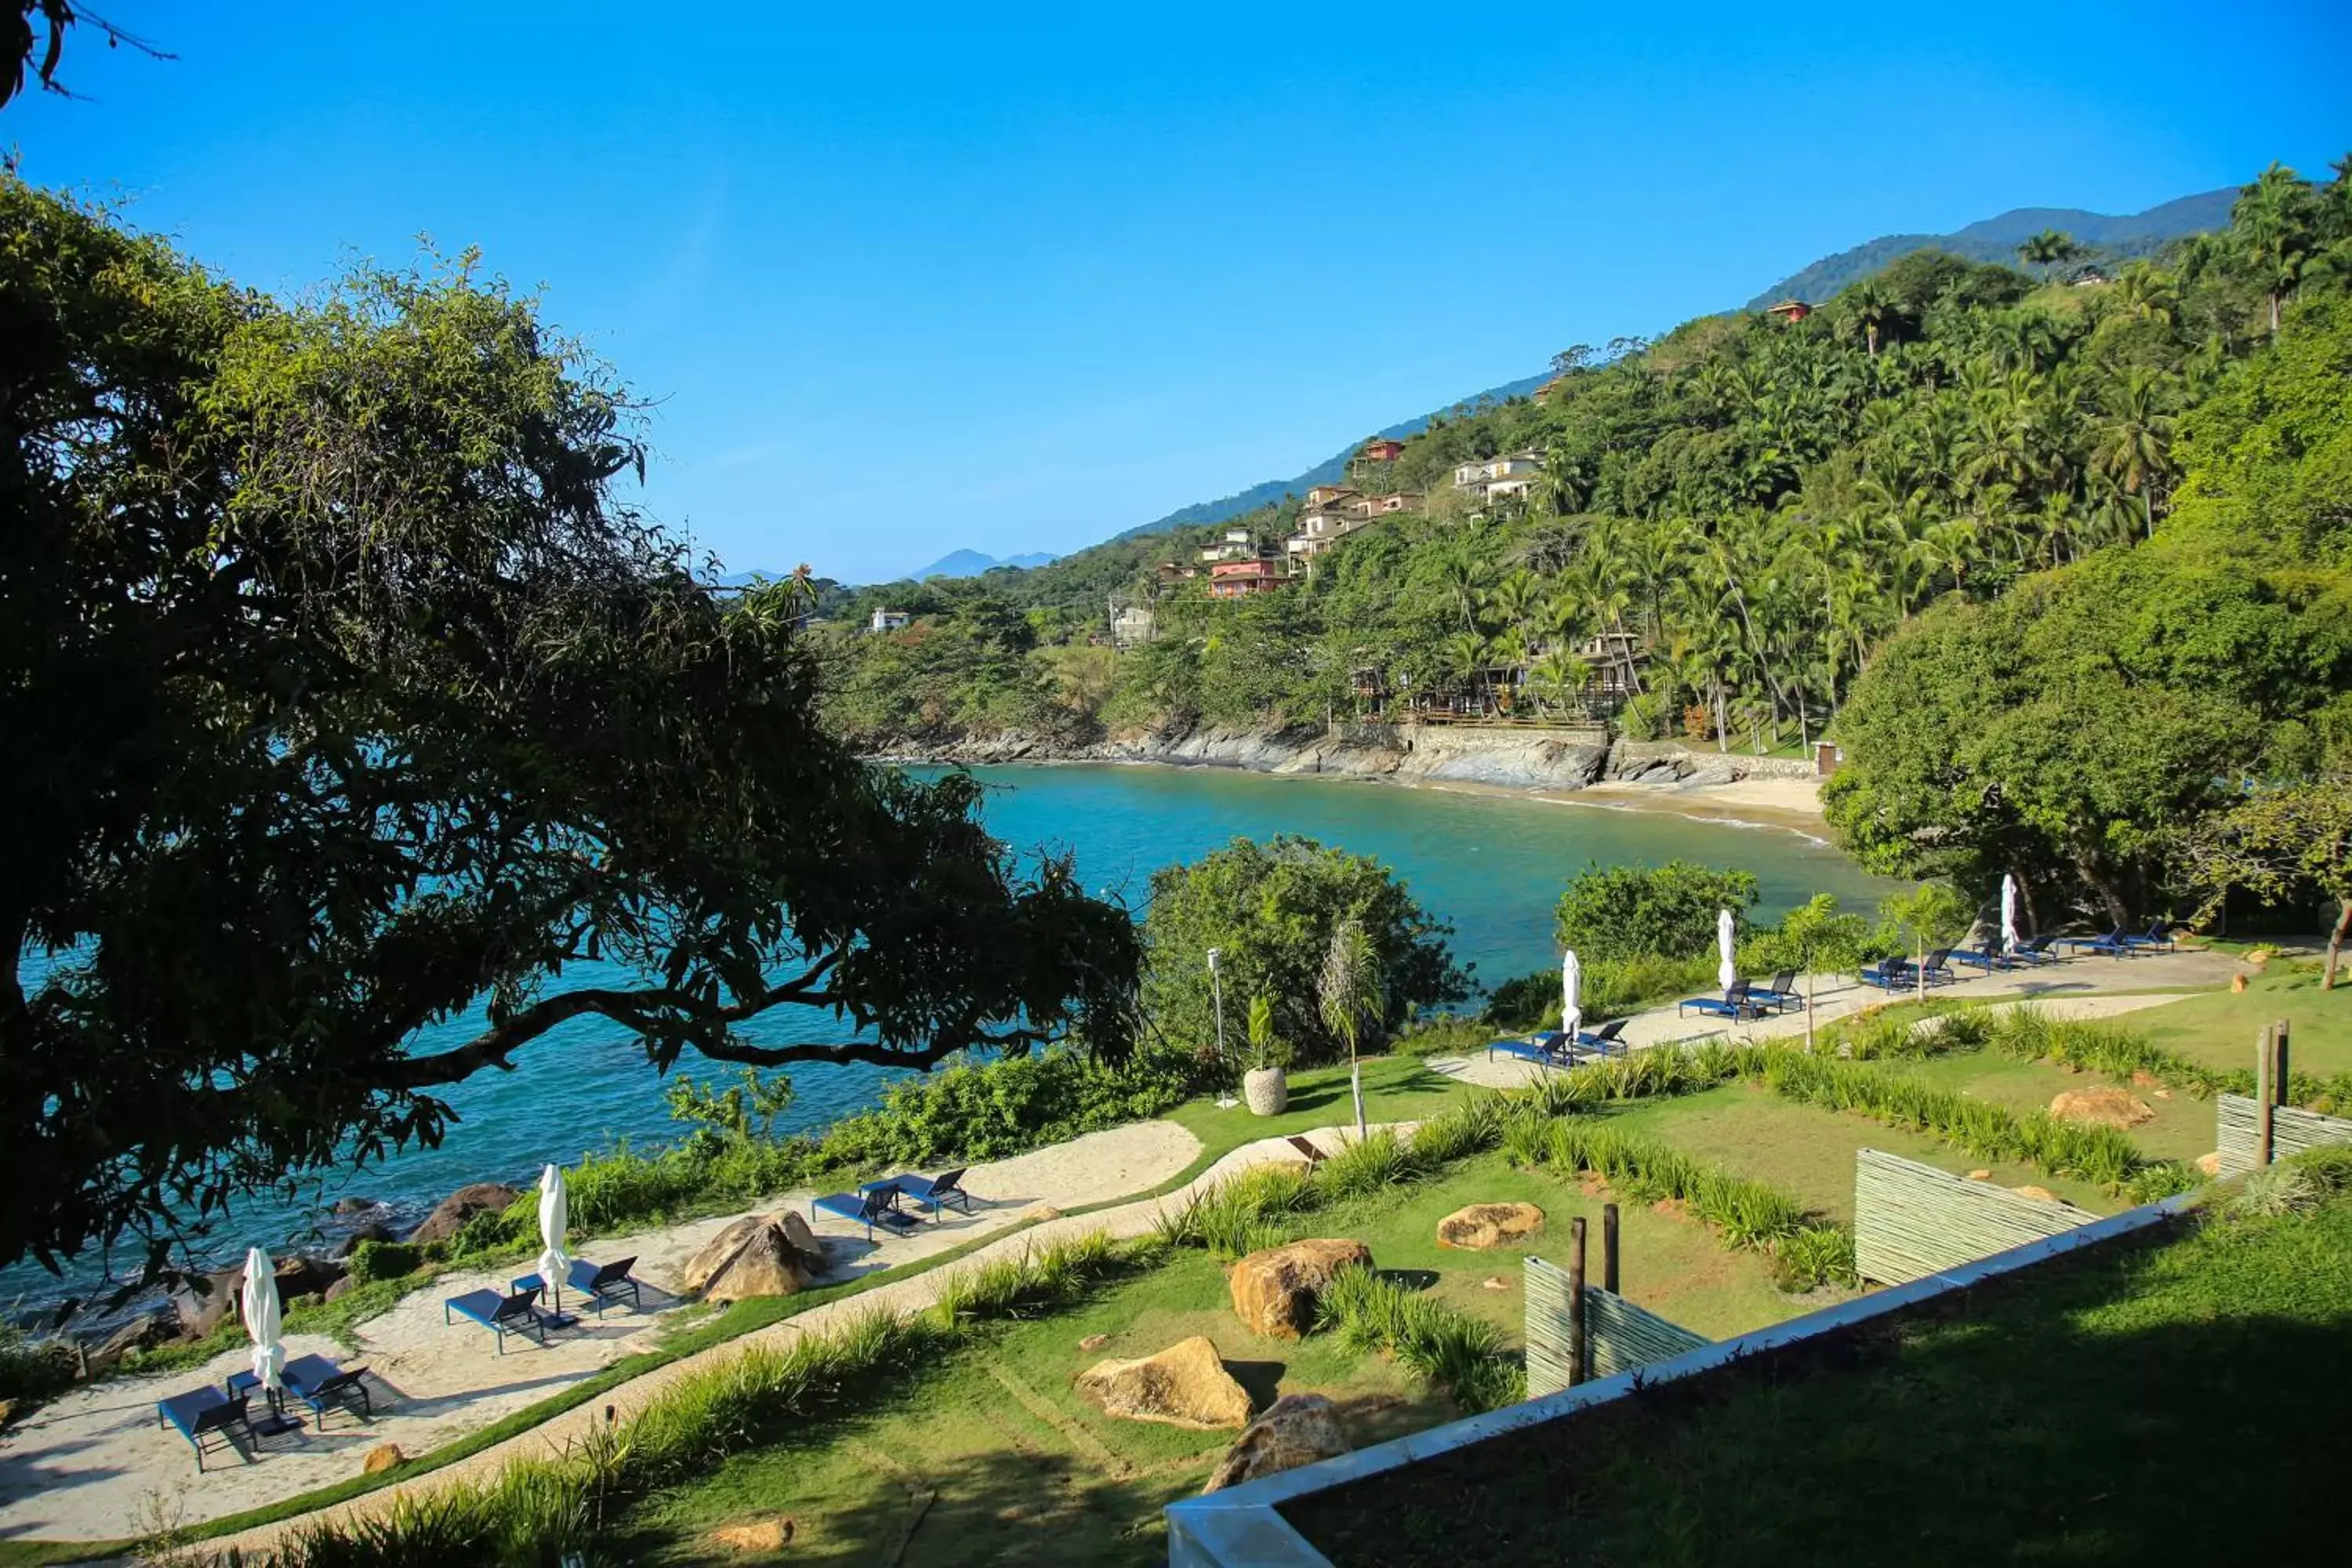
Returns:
(2294,1131)
(1622,1336)
(1912,1220)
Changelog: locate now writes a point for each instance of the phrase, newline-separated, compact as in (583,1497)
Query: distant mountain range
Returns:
(1997,239)
(972,563)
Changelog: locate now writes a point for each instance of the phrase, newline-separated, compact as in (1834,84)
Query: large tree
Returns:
(340,699)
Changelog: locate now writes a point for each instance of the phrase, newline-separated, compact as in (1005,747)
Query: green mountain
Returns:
(1996,238)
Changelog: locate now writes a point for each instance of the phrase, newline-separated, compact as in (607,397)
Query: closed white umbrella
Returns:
(555,1219)
(262,1319)
(1728,971)
(2008,913)
(1571,980)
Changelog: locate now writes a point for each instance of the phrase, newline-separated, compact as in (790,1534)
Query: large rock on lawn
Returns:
(207,1301)
(382,1457)
(2104,1105)
(143,1333)
(1482,1226)
(303,1276)
(1184,1385)
(756,1255)
(449,1216)
(1274,1290)
(1297,1429)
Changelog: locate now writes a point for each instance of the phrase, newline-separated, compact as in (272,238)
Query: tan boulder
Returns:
(2101,1105)
(303,1276)
(756,1255)
(206,1300)
(382,1457)
(757,1535)
(1297,1429)
(1274,1291)
(2039,1195)
(1482,1226)
(2238,985)
(1094,1341)
(1184,1385)
(1979,1175)
(1496,1283)
(2210,1164)
(450,1215)
(7,1408)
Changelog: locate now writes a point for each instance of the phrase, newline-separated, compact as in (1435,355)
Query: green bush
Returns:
(35,1366)
(1452,1350)
(2031,1034)
(375,1260)
(1638,911)
(989,1110)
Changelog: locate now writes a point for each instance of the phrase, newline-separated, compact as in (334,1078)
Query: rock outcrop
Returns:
(303,1276)
(1297,1429)
(1184,1385)
(207,1301)
(2104,1105)
(756,1255)
(760,1535)
(1274,1291)
(382,1457)
(1482,1226)
(449,1216)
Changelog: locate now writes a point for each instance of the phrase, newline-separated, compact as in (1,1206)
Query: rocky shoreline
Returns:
(1514,758)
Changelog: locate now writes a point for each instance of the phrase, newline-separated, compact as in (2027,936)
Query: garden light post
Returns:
(1217,992)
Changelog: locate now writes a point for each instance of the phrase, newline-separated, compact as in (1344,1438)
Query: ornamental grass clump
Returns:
(1372,1313)
(1372,1164)
(1471,1126)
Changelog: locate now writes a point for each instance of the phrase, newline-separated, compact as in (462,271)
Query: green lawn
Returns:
(2218,1027)
(1808,1151)
(993,1457)
(2182,1128)
(1396,1089)
(2175,1399)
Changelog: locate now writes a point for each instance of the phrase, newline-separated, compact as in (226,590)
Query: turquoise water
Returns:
(1492,865)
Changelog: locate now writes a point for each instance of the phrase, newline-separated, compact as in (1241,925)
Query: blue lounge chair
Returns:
(1604,1040)
(936,1192)
(1781,995)
(502,1315)
(205,1417)
(603,1283)
(1938,969)
(875,1205)
(1989,959)
(2158,935)
(1891,975)
(2040,950)
(323,1386)
(2113,944)
(1542,1048)
(1734,1003)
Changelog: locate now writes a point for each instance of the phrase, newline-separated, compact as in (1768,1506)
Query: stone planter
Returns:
(1266,1090)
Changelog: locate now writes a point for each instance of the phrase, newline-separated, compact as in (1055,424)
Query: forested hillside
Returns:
(1763,505)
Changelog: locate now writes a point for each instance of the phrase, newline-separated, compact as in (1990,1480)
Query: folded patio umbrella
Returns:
(1571,982)
(555,1219)
(1725,972)
(2008,913)
(259,1302)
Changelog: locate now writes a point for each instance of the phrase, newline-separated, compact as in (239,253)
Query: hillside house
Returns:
(1236,544)
(1380,449)
(1330,495)
(1616,659)
(1132,627)
(1324,525)
(1788,310)
(890,621)
(1240,579)
(1172,573)
(1495,478)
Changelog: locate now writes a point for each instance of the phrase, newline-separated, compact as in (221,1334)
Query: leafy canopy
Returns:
(339,699)
(1644,911)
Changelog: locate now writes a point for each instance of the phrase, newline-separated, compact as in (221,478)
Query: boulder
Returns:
(1979,1175)
(449,1216)
(1708,778)
(341,1287)
(756,1255)
(1094,1341)
(2039,1195)
(1184,1385)
(142,1332)
(1495,1282)
(1274,1291)
(2210,1164)
(2103,1105)
(382,1457)
(1297,1429)
(354,1205)
(1482,1226)
(303,1276)
(207,1301)
(7,1408)
(757,1535)
(373,1230)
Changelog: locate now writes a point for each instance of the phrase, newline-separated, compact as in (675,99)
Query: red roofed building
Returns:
(1240,579)
(1788,310)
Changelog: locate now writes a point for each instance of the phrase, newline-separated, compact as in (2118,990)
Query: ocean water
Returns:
(1494,864)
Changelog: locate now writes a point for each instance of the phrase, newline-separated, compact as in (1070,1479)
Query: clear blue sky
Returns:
(903,286)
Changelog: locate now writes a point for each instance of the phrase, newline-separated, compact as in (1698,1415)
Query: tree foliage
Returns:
(340,700)
(1273,910)
(1611,912)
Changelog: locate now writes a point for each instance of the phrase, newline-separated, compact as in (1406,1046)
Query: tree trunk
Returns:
(2335,945)
(1722,739)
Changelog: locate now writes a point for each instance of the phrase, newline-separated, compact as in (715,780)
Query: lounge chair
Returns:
(1987,959)
(2113,944)
(2157,936)
(516,1313)
(603,1283)
(1891,975)
(323,1386)
(1543,1049)
(1938,969)
(1734,1003)
(936,1192)
(2040,950)
(875,1205)
(1781,995)
(205,1416)
(1306,1147)
(1604,1040)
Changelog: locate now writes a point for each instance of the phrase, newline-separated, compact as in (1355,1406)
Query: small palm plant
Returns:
(1351,998)
(1265,1087)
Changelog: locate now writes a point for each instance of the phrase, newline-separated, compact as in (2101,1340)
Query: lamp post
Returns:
(1217,991)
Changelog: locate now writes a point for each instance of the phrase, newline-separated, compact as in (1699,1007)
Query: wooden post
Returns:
(1609,1247)
(1576,1302)
(2265,1098)
(2282,1073)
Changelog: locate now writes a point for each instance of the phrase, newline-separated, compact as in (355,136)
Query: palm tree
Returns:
(2133,445)
(1869,304)
(2050,247)
(1559,677)
(1349,994)
(2272,220)
(1465,656)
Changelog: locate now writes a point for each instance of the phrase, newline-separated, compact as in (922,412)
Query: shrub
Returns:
(1637,911)
(1465,1356)
(374,1260)
(35,1366)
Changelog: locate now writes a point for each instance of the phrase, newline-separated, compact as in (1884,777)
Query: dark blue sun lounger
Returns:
(1543,1049)
(1734,1003)
(1891,975)
(603,1283)
(2113,944)
(205,1417)
(1781,995)
(1604,1040)
(870,1209)
(2157,936)
(502,1315)
(323,1386)
(935,1193)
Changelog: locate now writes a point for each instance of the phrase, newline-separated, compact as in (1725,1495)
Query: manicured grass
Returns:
(1020,1468)
(2218,1027)
(2182,1128)
(1808,1152)
(1396,1089)
(2175,1398)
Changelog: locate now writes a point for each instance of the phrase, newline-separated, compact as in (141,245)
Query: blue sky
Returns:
(1017,282)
